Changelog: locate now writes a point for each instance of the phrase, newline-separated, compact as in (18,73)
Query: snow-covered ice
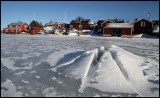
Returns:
(73,66)
(8,89)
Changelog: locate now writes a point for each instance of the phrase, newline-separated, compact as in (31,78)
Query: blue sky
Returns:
(44,11)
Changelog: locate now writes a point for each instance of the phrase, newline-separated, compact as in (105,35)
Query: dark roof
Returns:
(100,21)
(119,20)
(49,24)
(19,23)
(75,21)
(143,20)
(112,20)
(155,20)
(84,21)
(36,26)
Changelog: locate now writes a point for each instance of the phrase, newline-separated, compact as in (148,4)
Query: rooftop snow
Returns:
(119,25)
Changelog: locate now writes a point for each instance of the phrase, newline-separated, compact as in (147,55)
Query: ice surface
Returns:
(20,73)
(9,63)
(50,92)
(8,89)
(37,77)
(74,66)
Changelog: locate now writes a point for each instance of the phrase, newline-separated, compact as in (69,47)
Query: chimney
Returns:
(136,19)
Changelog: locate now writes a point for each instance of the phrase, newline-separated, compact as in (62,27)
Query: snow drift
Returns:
(112,70)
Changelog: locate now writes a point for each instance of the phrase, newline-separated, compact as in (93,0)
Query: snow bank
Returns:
(8,89)
(53,58)
(48,28)
(108,76)
(156,29)
(130,66)
(72,34)
(86,31)
(113,70)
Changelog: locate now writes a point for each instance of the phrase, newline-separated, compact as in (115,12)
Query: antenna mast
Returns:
(65,15)
(148,15)
(34,16)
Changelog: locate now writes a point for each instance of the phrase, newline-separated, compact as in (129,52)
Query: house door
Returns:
(143,30)
(116,32)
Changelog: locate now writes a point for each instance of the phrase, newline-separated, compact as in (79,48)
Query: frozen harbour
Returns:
(71,66)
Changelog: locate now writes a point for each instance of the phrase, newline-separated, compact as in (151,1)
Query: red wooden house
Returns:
(103,24)
(81,24)
(143,26)
(17,27)
(35,29)
(106,22)
(118,29)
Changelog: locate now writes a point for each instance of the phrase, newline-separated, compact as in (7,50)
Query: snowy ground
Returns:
(55,65)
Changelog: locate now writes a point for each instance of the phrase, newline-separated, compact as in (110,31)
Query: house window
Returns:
(80,26)
(25,26)
(143,24)
(71,26)
(19,29)
(92,26)
(6,30)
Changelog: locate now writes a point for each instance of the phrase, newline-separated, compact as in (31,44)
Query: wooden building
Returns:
(35,27)
(17,27)
(81,24)
(118,29)
(102,23)
(143,26)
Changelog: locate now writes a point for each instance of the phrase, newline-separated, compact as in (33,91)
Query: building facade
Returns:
(17,27)
(81,24)
(143,26)
(118,29)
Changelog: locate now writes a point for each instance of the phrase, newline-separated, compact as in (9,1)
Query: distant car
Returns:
(52,32)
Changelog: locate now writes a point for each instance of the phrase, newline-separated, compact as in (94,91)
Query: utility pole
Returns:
(65,15)
(148,15)
(65,25)
(94,24)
